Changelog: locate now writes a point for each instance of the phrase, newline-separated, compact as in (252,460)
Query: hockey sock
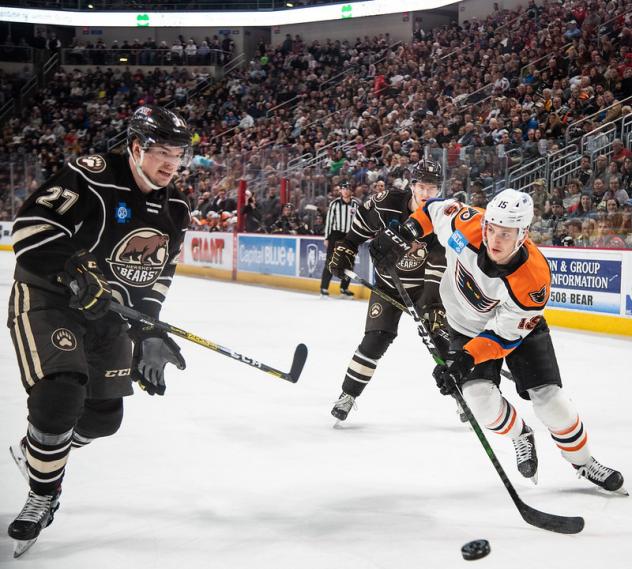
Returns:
(46,456)
(559,415)
(492,409)
(359,373)
(79,441)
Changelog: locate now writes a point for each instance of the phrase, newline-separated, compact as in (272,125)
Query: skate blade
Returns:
(20,460)
(622,491)
(21,547)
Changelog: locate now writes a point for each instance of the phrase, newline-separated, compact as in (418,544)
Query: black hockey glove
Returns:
(152,351)
(457,367)
(392,244)
(91,293)
(434,316)
(342,258)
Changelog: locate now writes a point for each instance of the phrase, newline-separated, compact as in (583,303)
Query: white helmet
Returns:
(511,208)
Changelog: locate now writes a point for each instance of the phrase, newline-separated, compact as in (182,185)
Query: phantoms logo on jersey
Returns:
(138,258)
(471,291)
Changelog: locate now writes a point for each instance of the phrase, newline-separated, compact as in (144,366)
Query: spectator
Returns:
(585,207)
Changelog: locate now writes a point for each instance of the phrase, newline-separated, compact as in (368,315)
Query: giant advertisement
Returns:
(585,280)
(209,249)
(267,255)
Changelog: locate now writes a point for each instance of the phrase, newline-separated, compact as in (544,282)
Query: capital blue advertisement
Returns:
(313,254)
(267,255)
(589,282)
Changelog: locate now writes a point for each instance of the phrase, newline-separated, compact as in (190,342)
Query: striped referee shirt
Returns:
(340,215)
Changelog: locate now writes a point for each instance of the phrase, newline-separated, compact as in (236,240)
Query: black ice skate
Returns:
(602,476)
(18,453)
(526,456)
(345,293)
(37,514)
(342,407)
(324,293)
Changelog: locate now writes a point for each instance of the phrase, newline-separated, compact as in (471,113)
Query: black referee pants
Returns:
(325,279)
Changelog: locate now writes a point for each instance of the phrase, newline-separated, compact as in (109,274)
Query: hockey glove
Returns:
(342,258)
(152,352)
(91,293)
(457,367)
(391,245)
(434,316)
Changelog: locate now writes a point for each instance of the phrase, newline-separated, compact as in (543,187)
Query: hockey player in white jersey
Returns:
(494,290)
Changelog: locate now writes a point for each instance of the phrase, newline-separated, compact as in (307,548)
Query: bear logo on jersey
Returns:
(63,339)
(415,258)
(93,163)
(472,292)
(138,258)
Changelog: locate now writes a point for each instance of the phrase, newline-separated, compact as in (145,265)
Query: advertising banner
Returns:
(267,255)
(586,280)
(209,249)
(312,255)
(5,232)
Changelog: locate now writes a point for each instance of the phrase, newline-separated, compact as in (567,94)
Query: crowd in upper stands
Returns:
(481,97)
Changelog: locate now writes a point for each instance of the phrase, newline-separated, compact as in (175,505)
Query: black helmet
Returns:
(426,170)
(151,124)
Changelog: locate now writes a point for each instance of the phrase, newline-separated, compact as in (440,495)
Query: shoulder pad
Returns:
(391,199)
(92,164)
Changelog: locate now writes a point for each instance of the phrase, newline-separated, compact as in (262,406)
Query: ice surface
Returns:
(236,469)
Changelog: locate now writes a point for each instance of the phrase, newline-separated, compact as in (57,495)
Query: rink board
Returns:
(591,288)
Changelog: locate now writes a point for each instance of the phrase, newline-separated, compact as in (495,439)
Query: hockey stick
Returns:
(300,354)
(396,304)
(551,522)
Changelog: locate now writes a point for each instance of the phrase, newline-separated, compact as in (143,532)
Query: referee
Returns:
(339,218)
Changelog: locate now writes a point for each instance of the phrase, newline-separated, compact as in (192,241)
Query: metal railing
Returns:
(16,53)
(140,56)
(576,126)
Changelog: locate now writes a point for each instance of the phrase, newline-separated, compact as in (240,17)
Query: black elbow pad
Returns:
(411,230)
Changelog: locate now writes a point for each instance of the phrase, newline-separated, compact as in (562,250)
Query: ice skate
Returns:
(18,453)
(526,456)
(346,293)
(604,477)
(37,514)
(324,294)
(342,407)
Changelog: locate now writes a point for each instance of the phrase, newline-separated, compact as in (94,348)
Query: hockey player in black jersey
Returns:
(420,271)
(106,228)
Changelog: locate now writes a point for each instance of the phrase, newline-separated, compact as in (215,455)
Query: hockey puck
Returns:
(476,549)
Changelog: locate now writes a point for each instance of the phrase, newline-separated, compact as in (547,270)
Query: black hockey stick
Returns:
(396,304)
(551,522)
(300,354)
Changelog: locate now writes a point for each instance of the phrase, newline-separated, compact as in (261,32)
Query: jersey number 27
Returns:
(54,193)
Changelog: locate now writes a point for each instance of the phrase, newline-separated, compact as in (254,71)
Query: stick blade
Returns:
(300,356)
(551,522)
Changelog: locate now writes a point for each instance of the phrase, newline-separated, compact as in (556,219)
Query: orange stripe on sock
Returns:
(500,416)
(566,431)
(577,447)
(514,415)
